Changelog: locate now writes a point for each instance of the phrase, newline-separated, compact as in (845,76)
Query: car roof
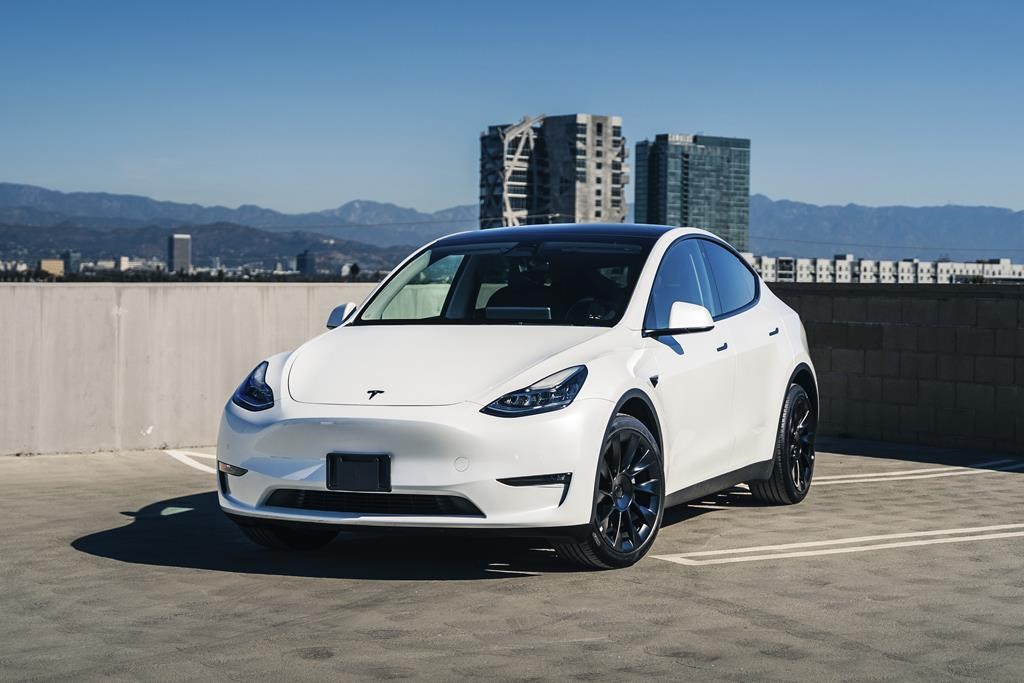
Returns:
(557,231)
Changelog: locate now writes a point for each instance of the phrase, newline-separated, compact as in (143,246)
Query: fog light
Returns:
(231,469)
(538,479)
(563,478)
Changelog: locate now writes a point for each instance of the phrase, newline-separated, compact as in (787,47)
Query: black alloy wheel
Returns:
(793,460)
(801,443)
(629,499)
(629,491)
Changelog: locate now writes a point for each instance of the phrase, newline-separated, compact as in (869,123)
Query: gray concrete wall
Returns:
(115,366)
(90,367)
(939,365)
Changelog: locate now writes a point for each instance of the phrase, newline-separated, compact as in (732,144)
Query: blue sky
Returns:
(303,106)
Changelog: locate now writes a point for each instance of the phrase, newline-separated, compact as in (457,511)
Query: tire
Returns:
(629,500)
(287,536)
(793,460)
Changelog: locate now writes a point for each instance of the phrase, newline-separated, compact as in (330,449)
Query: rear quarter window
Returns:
(736,285)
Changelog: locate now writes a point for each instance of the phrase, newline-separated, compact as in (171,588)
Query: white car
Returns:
(567,382)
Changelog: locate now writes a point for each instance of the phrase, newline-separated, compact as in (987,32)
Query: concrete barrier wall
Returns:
(90,367)
(121,366)
(939,365)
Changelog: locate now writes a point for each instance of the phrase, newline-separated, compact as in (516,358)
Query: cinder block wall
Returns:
(88,367)
(939,365)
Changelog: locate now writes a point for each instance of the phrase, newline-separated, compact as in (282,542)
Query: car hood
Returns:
(422,365)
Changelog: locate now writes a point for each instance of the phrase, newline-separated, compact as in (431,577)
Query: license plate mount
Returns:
(359,472)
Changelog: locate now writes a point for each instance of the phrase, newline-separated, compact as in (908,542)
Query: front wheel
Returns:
(793,460)
(629,499)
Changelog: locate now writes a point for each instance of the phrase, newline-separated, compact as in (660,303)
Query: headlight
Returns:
(254,393)
(551,393)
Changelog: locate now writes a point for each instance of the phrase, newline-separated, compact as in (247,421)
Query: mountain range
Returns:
(377,223)
(233,244)
(961,233)
(777,227)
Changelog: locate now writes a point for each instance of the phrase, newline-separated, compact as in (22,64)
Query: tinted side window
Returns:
(735,283)
(681,277)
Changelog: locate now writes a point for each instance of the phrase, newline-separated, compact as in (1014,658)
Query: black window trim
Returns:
(714,283)
(711,276)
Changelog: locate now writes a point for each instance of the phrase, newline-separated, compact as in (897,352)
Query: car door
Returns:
(695,373)
(758,344)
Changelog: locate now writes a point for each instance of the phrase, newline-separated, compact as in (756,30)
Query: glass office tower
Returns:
(697,181)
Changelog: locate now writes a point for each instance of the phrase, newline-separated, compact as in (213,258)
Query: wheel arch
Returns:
(636,403)
(804,376)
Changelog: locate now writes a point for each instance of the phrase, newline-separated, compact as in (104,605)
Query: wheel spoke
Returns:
(808,464)
(647,513)
(632,446)
(643,462)
(618,532)
(801,423)
(634,537)
(650,486)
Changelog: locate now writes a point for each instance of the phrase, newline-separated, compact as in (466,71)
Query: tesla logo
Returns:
(373,392)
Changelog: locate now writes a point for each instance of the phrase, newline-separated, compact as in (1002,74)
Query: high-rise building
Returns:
(179,253)
(553,169)
(696,181)
(72,261)
(307,263)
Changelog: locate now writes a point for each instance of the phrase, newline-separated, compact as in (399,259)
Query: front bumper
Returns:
(435,450)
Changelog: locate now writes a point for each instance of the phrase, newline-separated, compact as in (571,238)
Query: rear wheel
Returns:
(629,499)
(793,462)
(288,537)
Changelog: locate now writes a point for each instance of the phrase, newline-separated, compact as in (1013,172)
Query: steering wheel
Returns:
(590,308)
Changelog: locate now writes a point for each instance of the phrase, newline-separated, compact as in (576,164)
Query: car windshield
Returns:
(579,282)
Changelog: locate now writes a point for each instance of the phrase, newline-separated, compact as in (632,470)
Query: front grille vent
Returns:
(397,504)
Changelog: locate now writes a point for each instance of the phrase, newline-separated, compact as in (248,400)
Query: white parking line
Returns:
(181,456)
(958,473)
(920,470)
(961,535)
(197,454)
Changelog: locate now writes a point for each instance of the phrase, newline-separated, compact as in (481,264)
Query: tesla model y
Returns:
(567,382)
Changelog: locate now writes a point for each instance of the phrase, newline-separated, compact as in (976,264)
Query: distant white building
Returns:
(845,268)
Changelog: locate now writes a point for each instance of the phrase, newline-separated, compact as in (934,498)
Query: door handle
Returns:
(773,332)
(723,347)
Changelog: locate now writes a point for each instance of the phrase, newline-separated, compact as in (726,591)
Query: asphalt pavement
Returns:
(902,564)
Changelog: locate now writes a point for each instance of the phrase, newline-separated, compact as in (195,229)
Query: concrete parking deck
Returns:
(902,564)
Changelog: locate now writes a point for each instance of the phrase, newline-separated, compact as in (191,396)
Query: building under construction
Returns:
(553,169)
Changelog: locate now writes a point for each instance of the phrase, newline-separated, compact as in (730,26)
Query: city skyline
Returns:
(253,104)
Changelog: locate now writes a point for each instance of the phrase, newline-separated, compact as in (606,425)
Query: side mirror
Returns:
(685,318)
(340,314)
